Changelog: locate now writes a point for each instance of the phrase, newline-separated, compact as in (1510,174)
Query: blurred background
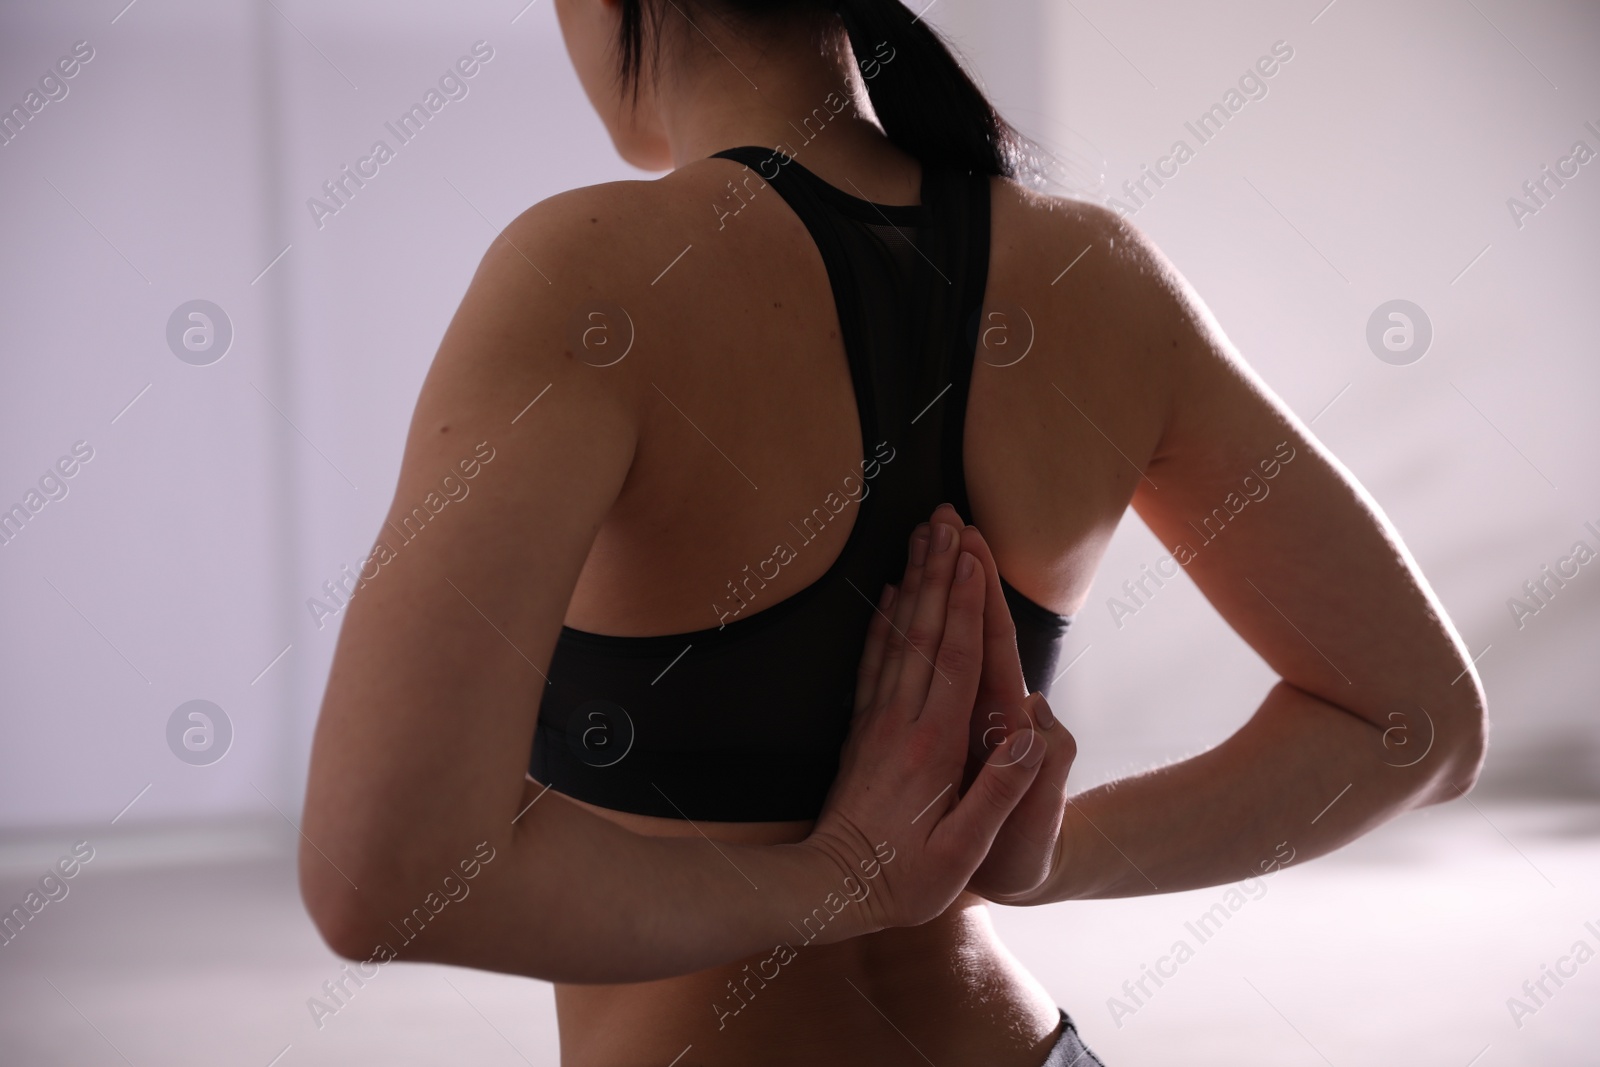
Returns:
(205,385)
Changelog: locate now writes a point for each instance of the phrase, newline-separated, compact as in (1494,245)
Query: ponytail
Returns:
(926,102)
(928,105)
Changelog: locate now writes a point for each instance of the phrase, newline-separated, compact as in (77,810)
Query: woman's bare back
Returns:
(750,420)
(751,425)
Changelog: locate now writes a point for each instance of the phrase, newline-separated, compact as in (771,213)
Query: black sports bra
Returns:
(744,721)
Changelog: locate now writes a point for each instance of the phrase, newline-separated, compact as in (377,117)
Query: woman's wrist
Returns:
(1070,862)
(1050,889)
(831,894)
(1071,872)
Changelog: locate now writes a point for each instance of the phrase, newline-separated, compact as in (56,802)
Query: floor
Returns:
(1401,949)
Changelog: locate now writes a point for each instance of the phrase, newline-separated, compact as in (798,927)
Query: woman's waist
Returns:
(947,986)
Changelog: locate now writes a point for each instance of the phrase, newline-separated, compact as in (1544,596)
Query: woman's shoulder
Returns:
(578,275)
(597,228)
(1087,261)
(1056,221)
(584,229)
(590,227)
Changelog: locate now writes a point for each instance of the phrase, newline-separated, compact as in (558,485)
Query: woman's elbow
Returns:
(1463,740)
(345,937)
(1473,747)
(352,902)
(335,908)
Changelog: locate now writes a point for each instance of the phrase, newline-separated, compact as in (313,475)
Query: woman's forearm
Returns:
(1301,778)
(568,896)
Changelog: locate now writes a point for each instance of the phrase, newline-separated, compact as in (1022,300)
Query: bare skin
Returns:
(622,500)
(948,984)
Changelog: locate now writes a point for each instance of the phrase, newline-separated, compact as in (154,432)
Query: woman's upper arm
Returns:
(516,451)
(1290,549)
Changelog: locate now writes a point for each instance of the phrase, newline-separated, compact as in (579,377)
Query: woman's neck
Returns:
(793,96)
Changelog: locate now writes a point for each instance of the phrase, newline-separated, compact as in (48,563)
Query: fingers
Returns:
(915,556)
(1046,798)
(959,660)
(872,654)
(926,629)
(1002,667)
(969,829)
(993,719)
(905,603)
(1037,817)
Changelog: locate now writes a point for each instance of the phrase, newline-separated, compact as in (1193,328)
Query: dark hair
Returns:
(927,103)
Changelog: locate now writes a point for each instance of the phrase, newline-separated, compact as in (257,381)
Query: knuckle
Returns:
(957,657)
(1066,743)
(1001,790)
(922,633)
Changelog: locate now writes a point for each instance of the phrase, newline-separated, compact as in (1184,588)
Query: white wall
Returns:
(155,580)
(227,494)
(179,564)
(1377,166)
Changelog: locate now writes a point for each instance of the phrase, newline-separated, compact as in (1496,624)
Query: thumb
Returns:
(970,827)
